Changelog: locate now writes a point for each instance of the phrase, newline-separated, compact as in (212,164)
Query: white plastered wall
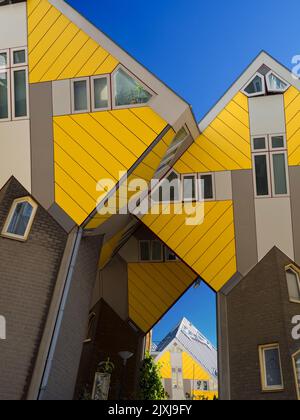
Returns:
(14,135)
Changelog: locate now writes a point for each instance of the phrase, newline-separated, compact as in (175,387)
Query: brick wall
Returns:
(110,335)
(28,273)
(64,369)
(259,313)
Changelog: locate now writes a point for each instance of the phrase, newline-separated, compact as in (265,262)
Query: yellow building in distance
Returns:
(189,364)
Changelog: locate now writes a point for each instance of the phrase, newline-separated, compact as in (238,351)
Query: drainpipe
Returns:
(60,315)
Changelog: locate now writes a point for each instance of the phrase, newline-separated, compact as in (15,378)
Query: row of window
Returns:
(100,93)
(13,84)
(155,251)
(270,164)
(187,188)
(271,369)
(262,85)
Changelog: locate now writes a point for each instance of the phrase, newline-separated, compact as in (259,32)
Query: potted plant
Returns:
(102,380)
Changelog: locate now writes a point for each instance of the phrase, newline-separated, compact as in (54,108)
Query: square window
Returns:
(19,57)
(259,143)
(277,142)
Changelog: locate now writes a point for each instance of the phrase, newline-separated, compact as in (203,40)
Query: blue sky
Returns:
(198,48)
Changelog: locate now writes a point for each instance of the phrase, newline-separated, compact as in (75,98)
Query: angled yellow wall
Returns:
(165,365)
(153,289)
(224,145)
(192,370)
(60,50)
(96,146)
(145,170)
(292,114)
(208,248)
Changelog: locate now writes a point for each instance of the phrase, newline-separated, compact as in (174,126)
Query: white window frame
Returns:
(113,90)
(213,186)
(20,238)
(267,154)
(294,356)
(279,152)
(93,78)
(190,200)
(271,136)
(252,95)
(265,387)
(280,78)
(13,70)
(9,94)
(8,59)
(12,65)
(266,149)
(81,79)
(295,270)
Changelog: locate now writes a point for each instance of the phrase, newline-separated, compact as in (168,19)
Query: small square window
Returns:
(271,371)
(277,142)
(20,219)
(19,57)
(259,143)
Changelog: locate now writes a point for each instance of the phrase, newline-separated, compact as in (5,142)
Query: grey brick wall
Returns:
(28,273)
(259,313)
(64,369)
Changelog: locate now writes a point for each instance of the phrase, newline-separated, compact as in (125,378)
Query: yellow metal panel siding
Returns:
(60,50)
(165,365)
(292,115)
(144,170)
(207,395)
(154,288)
(191,370)
(224,145)
(208,248)
(109,248)
(89,147)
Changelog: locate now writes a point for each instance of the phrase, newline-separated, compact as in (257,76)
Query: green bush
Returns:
(151,387)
